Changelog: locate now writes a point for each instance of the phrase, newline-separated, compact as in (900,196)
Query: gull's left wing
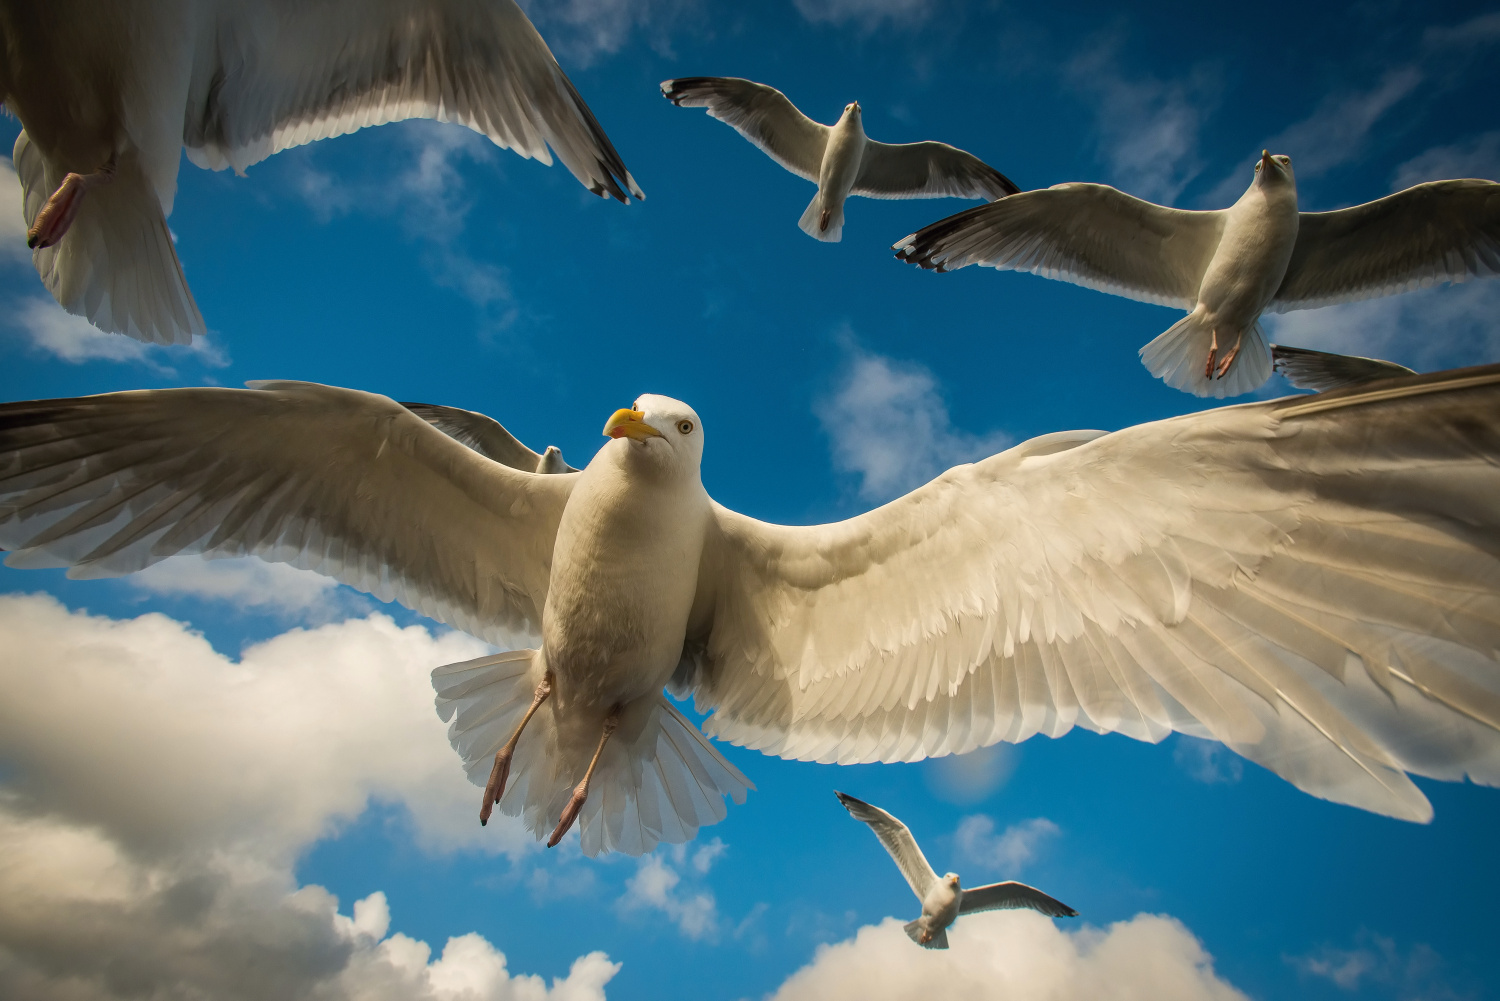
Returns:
(762,114)
(927,170)
(1320,371)
(896,838)
(1011,895)
(1313,581)
(1441,231)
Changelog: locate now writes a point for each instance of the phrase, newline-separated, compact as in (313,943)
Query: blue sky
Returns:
(192,760)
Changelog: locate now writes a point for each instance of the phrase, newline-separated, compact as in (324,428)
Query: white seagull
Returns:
(943,899)
(109,94)
(840,159)
(1313,581)
(1226,267)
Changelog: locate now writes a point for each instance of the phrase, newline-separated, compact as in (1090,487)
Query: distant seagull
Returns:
(841,160)
(1227,266)
(1322,371)
(109,94)
(943,900)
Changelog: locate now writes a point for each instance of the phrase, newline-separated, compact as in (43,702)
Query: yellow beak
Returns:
(630,424)
(1265,156)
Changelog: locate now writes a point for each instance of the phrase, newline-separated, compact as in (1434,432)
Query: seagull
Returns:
(1322,370)
(1226,267)
(1313,581)
(108,95)
(841,160)
(943,899)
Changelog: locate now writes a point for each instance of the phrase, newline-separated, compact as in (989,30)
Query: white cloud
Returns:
(1016,954)
(48,328)
(1429,329)
(970,778)
(1207,761)
(656,886)
(1376,961)
(1147,128)
(156,796)
(888,424)
(1477,156)
(1002,854)
(868,14)
(13,249)
(1336,131)
(249,583)
(583,31)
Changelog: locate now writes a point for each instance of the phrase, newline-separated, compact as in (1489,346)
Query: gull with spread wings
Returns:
(109,94)
(1229,266)
(840,159)
(1313,581)
(943,899)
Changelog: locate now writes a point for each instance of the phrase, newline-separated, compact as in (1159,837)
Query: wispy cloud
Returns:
(888,424)
(973,777)
(1007,852)
(46,328)
(657,885)
(1207,761)
(13,249)
(247,582)
(1477,156)
(868,14)
(581,32)
(1147,128)
(1376,961)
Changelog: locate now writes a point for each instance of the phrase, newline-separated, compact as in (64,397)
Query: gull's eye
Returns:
(686,427)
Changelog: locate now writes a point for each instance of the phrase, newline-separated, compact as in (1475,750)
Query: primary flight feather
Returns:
(109,95)
(840,159)
(1313,581)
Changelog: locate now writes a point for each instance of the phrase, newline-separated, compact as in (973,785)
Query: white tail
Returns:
(812,220)
(115,265)
(914,931)
(1178,356)
(659,779)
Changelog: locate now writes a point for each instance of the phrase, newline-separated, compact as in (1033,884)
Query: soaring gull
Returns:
(943,899)
(1226,267)
(839,159)
(109,94)
(1313,581)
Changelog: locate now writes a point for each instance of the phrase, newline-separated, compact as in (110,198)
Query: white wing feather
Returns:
(927,170)
(1312,581)
(280,73)
(761,114)
(345,483)
(1088,234)
(897,840)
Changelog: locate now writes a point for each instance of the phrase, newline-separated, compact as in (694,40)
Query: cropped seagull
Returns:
(1226,267)
(1320,371)
(1313,581)
(839,159)
(109,94)
(943,899)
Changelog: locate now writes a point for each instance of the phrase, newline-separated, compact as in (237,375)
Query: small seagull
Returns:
(943,900)
(1226,267)
(840,159)
(1323,371)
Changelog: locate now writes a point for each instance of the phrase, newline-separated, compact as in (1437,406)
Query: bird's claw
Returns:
(1228,361)
(569,814)
(1208,370)
(56,217)
(495,787)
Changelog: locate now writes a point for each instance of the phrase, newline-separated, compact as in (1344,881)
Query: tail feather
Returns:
(658,781)
(115,266)
(914,931)
(1178,357)
(811,222)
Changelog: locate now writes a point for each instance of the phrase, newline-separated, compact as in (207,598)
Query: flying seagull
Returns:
(109,94)
(1322,370)
(1313,581)
(943,899)
(1226,267)
(839,159)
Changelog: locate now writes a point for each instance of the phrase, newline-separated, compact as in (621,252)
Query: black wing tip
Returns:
(849,802)
(677,89)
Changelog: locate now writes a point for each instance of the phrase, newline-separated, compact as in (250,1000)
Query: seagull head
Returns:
(851,110)
(951,879)
(660,430)
(1273,169)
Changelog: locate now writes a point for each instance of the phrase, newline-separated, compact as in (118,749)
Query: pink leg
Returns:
(1234,353)
(823,222)
(495,787)
(1213,353)
(570,812)
(62,208)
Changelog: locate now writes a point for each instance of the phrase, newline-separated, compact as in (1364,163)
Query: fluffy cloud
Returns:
(13,249)
(1006,853)
(656,886)
(970,778)
(915,439)
(47,328)
(1016,954)
(156,795)
(248,582)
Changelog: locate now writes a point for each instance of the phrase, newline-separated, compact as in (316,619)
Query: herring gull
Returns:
(943,899)
(1229,266)
(109,94)
(840,159)
(1313,581)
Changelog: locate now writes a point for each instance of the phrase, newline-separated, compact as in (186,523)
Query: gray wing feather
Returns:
(1320,371)
(489,438)
(1441,231)
(761,114)
(281,73)
(1010,895)
(927,170)
(1087,234)
(897,840)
